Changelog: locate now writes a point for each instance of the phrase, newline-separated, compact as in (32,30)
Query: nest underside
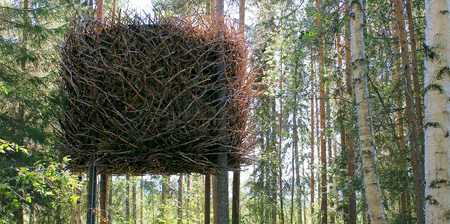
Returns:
(154,96)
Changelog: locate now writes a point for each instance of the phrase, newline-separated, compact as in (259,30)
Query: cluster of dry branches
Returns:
(142,94)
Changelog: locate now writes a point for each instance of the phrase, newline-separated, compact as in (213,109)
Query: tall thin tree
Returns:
(367,143)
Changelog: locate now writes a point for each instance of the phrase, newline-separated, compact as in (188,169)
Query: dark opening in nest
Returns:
(142,95)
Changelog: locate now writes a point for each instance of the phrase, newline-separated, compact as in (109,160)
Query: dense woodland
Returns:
(351,120)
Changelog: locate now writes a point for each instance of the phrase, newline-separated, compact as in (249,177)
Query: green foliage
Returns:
(41,182)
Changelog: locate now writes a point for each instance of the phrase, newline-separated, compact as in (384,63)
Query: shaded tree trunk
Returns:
(371,183)
(180,199)
(92,191)
(110,200)
(222,158)
(104,181)
(207,198)
(352,215)
(412,121)
(127,199)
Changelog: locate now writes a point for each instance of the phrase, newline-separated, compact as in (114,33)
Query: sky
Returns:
(141,5)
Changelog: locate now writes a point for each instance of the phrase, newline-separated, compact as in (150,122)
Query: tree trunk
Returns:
(180,199)
(236,185)
(32,214)
(142,200)
(412,121)
(352,215)
(78,204)
(437,92)
(367,144)
(99,10)
(215,201)
(134,213)
(296,153)
(104,180)
(415,74)
(127,199)
(222,158)
(323,152)
(188,192)
(92,191)
(18,216)
(280,124)
(207,198)
(312,137)
(110,200)
(237,173)
(400,134)
(58,214)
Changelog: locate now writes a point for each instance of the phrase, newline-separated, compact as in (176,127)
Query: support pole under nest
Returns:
(222,158)
(92,191)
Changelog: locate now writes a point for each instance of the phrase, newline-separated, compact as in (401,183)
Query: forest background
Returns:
(307,166)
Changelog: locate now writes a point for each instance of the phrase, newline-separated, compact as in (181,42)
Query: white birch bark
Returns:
(367,144)
(437,108)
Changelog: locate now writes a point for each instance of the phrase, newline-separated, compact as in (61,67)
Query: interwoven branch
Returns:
(141,94)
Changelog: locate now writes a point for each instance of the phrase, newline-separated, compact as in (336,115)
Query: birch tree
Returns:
(437,91)
(367,144)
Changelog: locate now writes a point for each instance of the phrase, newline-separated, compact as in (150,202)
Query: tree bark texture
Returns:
(207,198)
(323,149)
(437,93)
(222,158)
(367,144)
(104,198)
(312,137)
(417,158)
(180,199)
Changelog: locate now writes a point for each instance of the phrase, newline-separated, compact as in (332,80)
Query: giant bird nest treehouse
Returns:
(155,95)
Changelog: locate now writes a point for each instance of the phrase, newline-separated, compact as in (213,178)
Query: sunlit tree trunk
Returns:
(237,173)
(134,193)
(78,203)
(312,136)
(367,144)
(280,124)
(323,149)
(296,152)
(142,200)
(437,93)
(127,198)
(188,190)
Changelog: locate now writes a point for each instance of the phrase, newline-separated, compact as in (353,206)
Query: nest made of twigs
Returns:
(148,95)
